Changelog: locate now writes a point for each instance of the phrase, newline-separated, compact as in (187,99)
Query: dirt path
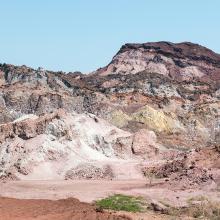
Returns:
(90,190)
(84,190)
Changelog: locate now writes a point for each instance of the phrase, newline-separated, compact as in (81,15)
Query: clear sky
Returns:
(84,35)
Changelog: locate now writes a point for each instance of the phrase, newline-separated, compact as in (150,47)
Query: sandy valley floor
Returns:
(91,190)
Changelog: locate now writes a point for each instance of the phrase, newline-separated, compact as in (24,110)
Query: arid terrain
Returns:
(147,124)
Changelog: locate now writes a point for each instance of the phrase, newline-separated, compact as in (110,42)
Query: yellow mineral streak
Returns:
(119,118)
(157,120)
(154,119)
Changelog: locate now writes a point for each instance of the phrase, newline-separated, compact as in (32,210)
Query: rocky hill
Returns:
(153,101)
(182,62)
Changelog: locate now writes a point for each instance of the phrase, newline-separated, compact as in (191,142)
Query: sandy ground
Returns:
(84,190)
(47,200)
(91,190)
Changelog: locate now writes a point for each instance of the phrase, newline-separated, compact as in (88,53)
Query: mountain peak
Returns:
(181,61)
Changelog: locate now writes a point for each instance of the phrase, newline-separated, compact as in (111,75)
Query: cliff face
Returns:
(167,95)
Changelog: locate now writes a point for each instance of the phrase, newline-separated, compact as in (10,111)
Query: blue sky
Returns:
(84,35)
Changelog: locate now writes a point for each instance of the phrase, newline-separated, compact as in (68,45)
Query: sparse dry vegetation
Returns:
(198,208)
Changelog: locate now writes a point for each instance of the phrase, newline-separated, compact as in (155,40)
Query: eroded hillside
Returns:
(153,102)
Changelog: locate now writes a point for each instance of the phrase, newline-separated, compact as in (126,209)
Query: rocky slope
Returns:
(153,100)
(64,145)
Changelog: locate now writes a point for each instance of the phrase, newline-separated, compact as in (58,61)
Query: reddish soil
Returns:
(65,209)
